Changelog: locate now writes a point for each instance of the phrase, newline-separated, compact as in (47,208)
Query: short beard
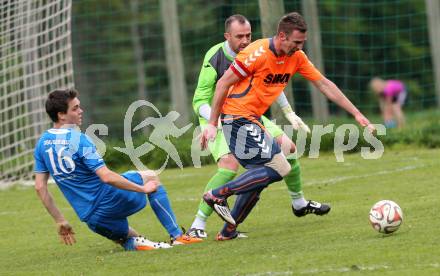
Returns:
(291,52)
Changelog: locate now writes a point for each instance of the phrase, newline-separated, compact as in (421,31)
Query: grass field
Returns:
(342,242)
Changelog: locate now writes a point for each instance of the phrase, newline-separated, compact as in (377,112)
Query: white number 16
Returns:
(60,158)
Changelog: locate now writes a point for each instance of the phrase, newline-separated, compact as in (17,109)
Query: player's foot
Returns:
(197,233)
(141,244)
(312,207)
(185,239)
(220,206)
(236,235)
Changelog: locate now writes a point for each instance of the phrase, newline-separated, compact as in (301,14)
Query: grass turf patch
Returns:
(278,243)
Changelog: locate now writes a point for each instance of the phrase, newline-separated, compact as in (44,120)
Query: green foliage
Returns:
(342,242)
(360,39)
(431,135)
(363,39)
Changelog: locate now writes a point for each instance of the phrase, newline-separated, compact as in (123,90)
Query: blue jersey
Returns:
(71,159)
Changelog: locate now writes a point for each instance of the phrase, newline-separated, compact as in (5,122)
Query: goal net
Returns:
(35,58)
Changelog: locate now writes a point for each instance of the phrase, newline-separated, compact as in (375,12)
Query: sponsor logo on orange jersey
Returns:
(276,78)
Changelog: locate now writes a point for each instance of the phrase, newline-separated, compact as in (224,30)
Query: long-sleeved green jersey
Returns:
(217,60)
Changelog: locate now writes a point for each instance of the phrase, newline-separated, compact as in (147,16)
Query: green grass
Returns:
(278,243)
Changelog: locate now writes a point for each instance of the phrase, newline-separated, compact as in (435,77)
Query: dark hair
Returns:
(236,17)
(58,101)
(290,22)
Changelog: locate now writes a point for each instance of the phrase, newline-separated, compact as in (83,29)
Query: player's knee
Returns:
(286,144)
(229,162)
(279,164)
(149,175)
(292,147)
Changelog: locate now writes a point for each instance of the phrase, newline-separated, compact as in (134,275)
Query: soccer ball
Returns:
(386,216)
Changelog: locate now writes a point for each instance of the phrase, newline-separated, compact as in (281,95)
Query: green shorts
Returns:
(219,147)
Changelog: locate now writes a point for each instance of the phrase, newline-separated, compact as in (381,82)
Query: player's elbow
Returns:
(328,88)
(106,177)
(105,174)
(222,85)
(39,187)
(40,183)
(41,190)
(323,84)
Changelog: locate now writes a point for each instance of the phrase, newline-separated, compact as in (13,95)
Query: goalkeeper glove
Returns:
(294,120)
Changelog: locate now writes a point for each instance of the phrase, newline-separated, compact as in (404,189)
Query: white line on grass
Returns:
(350,177)
(187,198)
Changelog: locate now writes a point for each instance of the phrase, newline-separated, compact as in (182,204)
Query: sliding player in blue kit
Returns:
(100,197)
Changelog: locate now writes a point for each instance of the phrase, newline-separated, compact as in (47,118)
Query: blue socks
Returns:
(254,179)
(128,245)
(162,208)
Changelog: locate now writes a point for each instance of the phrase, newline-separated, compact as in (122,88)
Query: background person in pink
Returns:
(392,95)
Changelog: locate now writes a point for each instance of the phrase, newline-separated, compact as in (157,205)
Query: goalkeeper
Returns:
(217,60)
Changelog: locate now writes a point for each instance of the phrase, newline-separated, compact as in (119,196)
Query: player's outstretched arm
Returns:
(332,92)
(290,115)
(65,231)
(110,177)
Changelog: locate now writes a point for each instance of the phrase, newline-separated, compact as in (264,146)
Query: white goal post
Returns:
(35,58)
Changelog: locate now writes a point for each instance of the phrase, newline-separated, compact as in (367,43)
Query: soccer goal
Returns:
(35,58)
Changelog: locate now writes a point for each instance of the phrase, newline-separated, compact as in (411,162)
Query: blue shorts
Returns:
(247,139)
(110,217)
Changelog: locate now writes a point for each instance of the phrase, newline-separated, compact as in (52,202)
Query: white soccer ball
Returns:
(386,216)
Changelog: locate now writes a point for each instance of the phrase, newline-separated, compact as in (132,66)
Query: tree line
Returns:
(120,52)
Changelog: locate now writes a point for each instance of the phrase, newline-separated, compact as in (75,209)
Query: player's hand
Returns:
(297,122)
(65,232)
(150,186)
(208,134)
(363,121)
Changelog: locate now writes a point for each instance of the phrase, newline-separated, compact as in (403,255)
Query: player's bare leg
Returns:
(398,114)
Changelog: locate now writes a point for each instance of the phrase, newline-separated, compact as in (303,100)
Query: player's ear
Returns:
(61,116)
(227,36)
(282,35)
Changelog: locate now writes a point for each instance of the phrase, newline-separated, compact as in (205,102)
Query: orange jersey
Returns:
(263,76)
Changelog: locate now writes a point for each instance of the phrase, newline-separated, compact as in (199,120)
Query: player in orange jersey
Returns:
(217,60)
(251,84)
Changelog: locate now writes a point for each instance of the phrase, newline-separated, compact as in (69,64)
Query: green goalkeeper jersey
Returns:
(217,60)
